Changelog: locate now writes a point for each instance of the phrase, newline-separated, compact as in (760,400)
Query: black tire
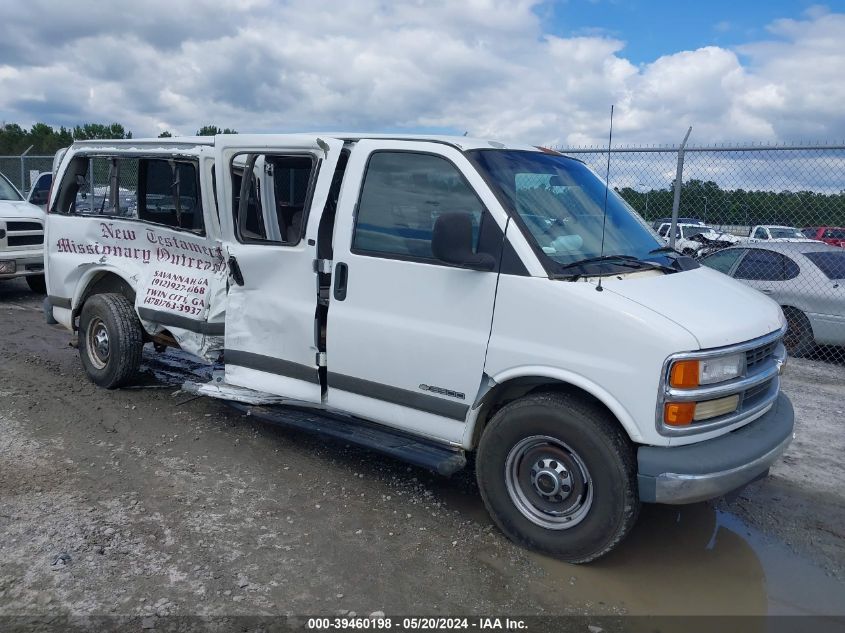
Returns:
(799,339)
(110,340)
(594,438)
(37,284)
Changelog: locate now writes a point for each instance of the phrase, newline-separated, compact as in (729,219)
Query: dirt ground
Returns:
(149,502)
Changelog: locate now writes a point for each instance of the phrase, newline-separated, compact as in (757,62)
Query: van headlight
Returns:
(691,373)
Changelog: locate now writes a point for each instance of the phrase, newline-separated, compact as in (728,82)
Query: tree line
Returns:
(47,140)
(707,201)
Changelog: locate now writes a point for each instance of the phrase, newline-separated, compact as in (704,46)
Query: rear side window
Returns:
(402,196)
(104,186)
(831,264)
(722,261)
(156,190)
(168,193)
(838,234)
(762,265)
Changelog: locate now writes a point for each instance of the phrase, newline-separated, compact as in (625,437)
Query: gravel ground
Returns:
(147,502)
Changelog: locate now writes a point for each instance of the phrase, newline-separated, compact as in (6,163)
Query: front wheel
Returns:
(558,475)
(110,340)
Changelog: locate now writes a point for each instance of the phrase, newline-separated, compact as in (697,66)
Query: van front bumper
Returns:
(712,468)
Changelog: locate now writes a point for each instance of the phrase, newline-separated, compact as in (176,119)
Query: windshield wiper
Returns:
(662,249)
(625,260)
(628,261)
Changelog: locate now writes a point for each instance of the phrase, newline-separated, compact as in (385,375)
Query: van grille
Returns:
(759,355)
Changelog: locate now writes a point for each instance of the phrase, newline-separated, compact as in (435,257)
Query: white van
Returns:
(427,297)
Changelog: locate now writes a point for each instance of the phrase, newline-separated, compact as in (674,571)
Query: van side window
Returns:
(168,193)
(156,190)
(277,196)
(402,196)
(100,185)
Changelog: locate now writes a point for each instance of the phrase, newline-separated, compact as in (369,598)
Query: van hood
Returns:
(11,209)
(714,308)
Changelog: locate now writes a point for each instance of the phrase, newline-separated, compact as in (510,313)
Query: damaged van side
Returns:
(426,297)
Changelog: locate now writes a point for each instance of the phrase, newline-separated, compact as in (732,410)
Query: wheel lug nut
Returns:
(566,488)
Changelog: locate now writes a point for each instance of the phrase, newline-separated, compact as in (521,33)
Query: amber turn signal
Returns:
(678,413)
(684,373)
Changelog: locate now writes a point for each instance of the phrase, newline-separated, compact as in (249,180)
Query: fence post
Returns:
(679,179)
(23,172)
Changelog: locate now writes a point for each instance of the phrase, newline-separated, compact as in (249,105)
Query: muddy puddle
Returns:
(685,560)
(698,560)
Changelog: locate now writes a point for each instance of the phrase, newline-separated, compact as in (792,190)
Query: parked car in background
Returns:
(805,278)
(696,240)
(656,224)
(833,235)
(21,237)
(775,233)
(40,190)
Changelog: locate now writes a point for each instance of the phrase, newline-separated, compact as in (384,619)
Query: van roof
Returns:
(460,142)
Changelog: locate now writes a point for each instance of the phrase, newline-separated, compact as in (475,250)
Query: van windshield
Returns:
(561,204)
(7,191)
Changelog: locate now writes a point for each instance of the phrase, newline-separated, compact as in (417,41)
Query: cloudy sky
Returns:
(542,72)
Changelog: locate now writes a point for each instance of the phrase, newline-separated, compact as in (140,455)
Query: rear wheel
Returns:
(110,340)
(558,475)
(799,339)
(37,284)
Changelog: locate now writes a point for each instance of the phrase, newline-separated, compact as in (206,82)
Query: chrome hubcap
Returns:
(551,480)
(548,482)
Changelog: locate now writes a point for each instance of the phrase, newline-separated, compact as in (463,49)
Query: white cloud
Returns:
(485,66)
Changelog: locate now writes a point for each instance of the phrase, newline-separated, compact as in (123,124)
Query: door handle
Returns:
(235,271)
(766,291)
(341,275)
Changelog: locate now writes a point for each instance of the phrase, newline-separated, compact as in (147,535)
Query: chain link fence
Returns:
(772,217)
(23,170)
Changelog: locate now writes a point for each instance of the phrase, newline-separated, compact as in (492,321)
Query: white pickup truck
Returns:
(427,297)
(21,238)
(776,233)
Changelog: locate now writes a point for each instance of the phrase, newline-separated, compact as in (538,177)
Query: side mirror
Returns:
(451,242)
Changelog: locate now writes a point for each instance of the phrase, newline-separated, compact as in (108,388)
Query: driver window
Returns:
(402,196)
(760,233)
